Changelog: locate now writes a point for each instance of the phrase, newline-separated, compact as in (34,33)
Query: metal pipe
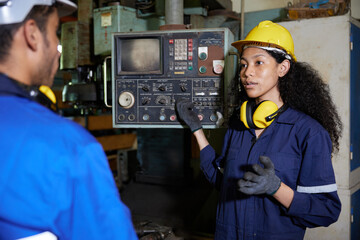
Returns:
(174,12)
(242,19)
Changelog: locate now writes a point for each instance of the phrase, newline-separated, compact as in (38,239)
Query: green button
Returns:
(202,69)
(202,56)
(190,68)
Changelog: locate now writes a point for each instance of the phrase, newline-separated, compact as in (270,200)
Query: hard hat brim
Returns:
(239,45)
(65,7)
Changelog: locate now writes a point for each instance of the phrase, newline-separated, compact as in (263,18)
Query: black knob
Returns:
(145,88)
(145,101)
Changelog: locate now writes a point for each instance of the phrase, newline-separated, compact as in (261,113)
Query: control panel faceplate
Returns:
(192,65)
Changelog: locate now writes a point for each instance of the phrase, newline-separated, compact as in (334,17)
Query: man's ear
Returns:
(284,68)
(32,34)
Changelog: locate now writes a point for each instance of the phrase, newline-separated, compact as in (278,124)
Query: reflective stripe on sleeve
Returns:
(317,189)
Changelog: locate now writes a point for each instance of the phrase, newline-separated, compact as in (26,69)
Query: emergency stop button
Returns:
(218,66)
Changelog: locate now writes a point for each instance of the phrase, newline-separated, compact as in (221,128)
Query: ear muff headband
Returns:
(258,116)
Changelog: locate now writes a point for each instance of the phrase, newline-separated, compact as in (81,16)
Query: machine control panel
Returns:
(153,70)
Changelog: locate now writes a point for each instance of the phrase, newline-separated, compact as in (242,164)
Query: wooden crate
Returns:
(301,10)
(301,13)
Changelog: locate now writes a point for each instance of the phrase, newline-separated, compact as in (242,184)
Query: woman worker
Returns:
(275,173)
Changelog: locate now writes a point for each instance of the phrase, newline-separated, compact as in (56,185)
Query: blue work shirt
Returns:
(300,149)
(54,176)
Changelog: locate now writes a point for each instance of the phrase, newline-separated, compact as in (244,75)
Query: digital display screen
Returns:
(139,56)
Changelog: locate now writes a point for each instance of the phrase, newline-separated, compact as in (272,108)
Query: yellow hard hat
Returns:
(268,34)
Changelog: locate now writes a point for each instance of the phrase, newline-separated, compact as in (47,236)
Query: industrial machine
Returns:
(152,70)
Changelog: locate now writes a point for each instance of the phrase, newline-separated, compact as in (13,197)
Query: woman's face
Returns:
(259,75)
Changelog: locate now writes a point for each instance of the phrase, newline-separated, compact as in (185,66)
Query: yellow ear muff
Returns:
(48,93)
(246,113)
(262,113)
(258,116)
(243,114)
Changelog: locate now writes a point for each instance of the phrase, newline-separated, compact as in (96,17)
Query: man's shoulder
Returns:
(37,120)
(65,128)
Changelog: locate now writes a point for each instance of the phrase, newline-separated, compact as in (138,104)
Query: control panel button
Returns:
(162,117)
(203,56)
(131,117)
(146,117)
(121,117)
(126,99)
(218,66)
(202,69)
(203,53)
(213,118)
(218,69)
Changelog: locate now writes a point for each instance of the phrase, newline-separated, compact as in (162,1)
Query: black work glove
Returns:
(184,108)
(262,181)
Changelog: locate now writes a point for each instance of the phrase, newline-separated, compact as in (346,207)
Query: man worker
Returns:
(55,181)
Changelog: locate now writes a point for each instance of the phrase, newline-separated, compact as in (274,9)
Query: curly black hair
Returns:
(302,88)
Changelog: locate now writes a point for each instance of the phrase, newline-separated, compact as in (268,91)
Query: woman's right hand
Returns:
(185,110)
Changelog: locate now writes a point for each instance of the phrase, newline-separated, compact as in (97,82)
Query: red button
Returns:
(218,69)
(171,41)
